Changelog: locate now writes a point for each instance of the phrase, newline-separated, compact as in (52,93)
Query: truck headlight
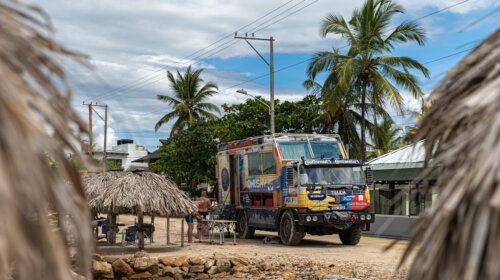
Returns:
(308,218)
(368,217)
(315,218)
(362,217)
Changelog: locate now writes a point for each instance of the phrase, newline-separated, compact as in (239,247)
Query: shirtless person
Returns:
(189,220)
(204,205)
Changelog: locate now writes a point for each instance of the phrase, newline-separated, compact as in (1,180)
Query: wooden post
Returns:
(168,230)
(112,229)
(182,233)
(152,224)
(140,221)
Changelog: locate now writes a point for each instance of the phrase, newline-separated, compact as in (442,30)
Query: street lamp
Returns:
(244,92)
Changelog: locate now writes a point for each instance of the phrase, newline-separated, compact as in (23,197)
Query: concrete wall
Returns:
(392,225)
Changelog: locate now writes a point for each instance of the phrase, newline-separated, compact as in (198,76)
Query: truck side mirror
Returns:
(369,175)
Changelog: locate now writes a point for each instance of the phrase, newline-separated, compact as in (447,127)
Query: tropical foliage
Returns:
(368,70)
(189,101)
(388,138)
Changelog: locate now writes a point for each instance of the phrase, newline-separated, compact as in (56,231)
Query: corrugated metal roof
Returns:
(411,156)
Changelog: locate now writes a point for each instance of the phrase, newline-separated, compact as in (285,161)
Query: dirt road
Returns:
(367,260)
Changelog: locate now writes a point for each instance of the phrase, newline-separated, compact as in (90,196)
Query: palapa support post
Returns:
(168,230)
(152,224)
(182,233)
(112,229)
(140,224)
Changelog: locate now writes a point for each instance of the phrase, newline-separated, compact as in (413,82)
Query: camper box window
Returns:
(254,164)
(261,164)
(268,163)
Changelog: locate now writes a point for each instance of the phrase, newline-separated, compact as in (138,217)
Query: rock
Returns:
(288,275)
(102,270)
(179,261)
(122,268)
(191,275)
(212,270)
(202,276)
(168,271)
(146,264)
(97,257)
(239,261)
(142,276)
(223,265)
(178,277)
(140,254)
(168,261)
(209,263)
(197,261)
(197,268)
(219,256)
(184,269)
(240,275)
(268,266)
(109,259)
(338,277)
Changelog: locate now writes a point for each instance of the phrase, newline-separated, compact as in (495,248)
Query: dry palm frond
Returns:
(460,234)
(37,121)
(96,183)
(144,191)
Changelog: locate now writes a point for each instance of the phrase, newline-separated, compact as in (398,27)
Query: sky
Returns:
(131,44)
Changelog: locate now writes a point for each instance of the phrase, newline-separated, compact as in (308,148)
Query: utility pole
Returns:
(271,69)
(105,119)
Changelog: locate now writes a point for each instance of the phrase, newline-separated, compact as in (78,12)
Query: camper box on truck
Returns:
(293,184)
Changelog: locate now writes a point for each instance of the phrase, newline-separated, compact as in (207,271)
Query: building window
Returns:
(402,198)
(268,163)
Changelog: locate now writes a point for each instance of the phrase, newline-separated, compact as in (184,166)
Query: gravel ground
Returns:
(367,260)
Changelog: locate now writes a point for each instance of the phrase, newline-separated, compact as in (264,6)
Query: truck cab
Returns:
(293,184)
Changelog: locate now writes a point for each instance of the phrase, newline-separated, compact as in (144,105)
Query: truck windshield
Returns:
(331,175)
(299,149)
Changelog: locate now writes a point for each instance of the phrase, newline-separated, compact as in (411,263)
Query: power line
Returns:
(224,45)
(202,49)
(478,20)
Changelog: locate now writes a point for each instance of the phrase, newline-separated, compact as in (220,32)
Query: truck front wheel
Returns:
(244,231)
(351,236)
(288,230)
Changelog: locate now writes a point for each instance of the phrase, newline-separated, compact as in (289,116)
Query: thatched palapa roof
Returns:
(141,191)
(460,234)
(96,183)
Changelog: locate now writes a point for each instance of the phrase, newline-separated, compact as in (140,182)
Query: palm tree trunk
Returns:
(375,111)
(363,138)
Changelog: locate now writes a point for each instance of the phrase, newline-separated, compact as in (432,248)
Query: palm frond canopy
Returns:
(142,191)
(460,234)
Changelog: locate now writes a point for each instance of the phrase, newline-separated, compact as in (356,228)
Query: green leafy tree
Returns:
(189,157)
(367,65)
(189,101)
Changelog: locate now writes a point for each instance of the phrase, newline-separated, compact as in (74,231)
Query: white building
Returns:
(125,152)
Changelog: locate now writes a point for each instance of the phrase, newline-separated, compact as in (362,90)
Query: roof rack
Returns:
(258,140)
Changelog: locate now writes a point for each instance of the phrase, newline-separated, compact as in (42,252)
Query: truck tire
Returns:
(351,236)
(244,231)
(288,230)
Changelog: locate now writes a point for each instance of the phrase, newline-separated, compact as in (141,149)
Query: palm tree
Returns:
(388,138)
(188,101)
(345,119)
(368,64)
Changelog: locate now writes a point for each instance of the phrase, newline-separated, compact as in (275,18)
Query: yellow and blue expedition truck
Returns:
(293,184)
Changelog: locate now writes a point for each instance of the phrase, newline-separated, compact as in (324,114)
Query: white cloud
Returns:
(128,40)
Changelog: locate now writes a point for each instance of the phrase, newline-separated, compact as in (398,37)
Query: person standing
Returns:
(204,205)
(189,220)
